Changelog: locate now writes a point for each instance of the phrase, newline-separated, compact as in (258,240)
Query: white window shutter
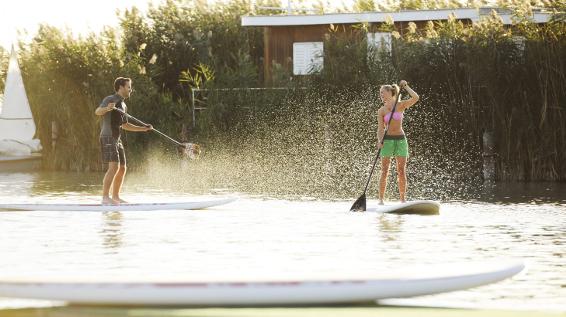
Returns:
(307,57)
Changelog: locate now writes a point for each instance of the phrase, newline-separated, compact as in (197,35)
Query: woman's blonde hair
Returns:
(394,89)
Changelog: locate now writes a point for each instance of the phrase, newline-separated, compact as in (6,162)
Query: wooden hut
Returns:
(296,41)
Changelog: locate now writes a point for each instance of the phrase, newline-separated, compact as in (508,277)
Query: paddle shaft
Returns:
(154,129)
(382,140)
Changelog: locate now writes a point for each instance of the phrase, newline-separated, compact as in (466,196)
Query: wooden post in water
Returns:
(328,151)
(54,135)
(184,136)
(488,157)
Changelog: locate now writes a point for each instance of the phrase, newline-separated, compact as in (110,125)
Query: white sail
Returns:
(16,121)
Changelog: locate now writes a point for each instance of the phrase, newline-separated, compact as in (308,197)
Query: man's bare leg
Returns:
(117,184)
(107,182)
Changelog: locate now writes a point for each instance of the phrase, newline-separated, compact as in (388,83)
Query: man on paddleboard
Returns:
(112,149)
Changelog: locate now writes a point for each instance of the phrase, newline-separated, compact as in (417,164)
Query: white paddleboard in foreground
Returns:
(426,280)
(417,207)
(193,204)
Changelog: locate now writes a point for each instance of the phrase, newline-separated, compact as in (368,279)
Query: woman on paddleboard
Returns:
(394,143)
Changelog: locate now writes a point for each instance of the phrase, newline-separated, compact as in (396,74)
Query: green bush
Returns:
(471,79)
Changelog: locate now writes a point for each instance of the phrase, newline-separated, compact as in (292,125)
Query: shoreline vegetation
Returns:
(510,82)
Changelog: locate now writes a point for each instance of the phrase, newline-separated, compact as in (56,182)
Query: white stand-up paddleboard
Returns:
(425,280)
(194,204)
(417,207)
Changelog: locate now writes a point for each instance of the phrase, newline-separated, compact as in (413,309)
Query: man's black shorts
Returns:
(112,150)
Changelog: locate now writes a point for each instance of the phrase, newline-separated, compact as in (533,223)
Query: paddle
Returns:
(189,148)
(360,203)
(154,129)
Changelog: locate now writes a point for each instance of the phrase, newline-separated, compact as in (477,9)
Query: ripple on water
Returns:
(279,237)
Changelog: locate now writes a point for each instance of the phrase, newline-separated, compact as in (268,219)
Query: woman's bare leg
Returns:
(385,161)
(402,176)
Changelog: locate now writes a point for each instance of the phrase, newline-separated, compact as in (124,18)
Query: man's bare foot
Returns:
(381,202)
(109,201)
(119,200)
(403,201)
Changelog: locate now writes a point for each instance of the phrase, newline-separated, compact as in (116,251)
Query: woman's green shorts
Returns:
(395,145)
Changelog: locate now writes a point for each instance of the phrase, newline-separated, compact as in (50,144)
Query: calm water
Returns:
(273,237)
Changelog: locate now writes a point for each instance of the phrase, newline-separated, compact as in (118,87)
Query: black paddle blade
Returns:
(360,204)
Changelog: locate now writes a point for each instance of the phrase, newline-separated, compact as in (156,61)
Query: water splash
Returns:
(321,144)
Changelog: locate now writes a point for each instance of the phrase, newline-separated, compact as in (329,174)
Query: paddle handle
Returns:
(381,142)
(155,130)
